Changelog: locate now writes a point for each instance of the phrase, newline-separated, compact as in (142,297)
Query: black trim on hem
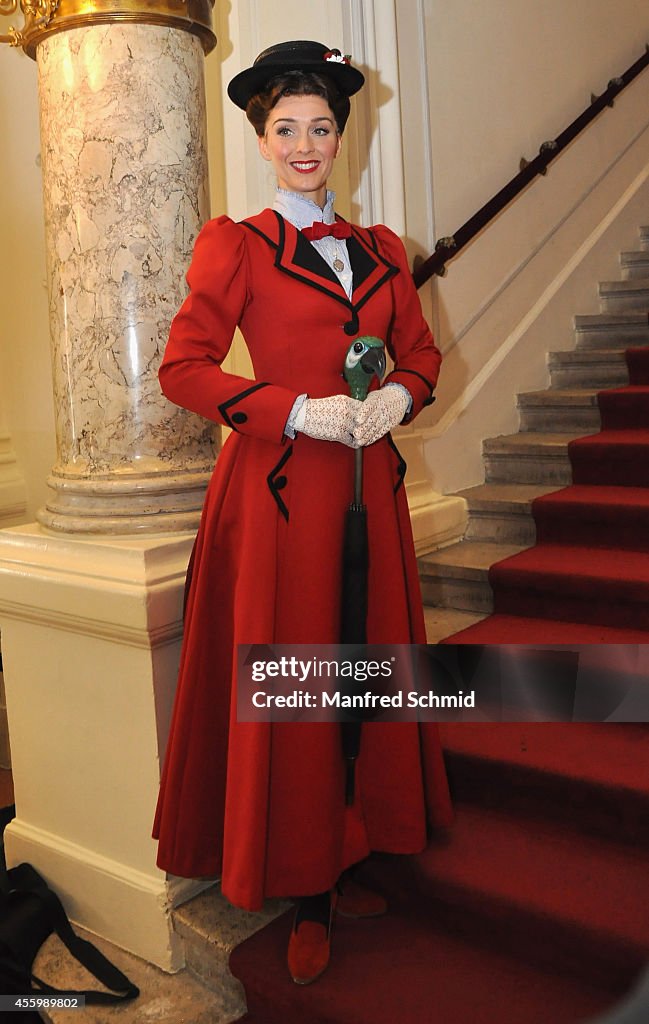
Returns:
(272,480)
(402,465)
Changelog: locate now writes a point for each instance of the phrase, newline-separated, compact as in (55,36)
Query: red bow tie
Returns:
(339,229)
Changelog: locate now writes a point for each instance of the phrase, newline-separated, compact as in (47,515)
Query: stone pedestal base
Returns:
(91,634)
(136,504)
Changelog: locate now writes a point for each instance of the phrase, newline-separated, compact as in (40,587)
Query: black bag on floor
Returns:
(29,913)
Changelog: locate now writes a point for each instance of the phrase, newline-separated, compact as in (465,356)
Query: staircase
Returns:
(523,466)
(533,908)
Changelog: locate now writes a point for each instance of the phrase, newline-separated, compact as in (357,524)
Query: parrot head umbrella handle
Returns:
(365,356)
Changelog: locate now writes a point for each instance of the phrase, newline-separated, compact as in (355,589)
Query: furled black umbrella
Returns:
(365,357)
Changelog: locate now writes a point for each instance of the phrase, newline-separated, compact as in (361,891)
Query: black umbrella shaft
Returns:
(353,621)
(358,476)
(354,589)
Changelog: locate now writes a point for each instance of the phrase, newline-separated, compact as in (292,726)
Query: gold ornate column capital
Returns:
(44,17)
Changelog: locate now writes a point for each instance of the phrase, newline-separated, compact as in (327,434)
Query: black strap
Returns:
(25,878)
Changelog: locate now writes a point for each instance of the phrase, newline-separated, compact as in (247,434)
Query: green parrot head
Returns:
(365,356)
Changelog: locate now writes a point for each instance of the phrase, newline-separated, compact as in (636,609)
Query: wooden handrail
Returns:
(449,247)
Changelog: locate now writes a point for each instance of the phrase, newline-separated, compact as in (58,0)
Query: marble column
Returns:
(125,192)
(91,597)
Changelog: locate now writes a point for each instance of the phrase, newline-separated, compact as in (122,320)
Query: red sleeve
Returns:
(410,344)
(201,335)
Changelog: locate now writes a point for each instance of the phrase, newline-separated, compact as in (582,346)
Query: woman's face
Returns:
(302,142)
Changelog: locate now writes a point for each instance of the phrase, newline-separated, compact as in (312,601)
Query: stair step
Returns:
(614,457)
(502,513)
(457,576)
(637,360)
(528,458)
(635,264)
(596,368)
(608,330)
(526,629)
(623,408)
(211,928)
(593,515)
(620,296)
(402,969)
(567,582)
(548,770)
(554,409)
(570,901)
(442,622)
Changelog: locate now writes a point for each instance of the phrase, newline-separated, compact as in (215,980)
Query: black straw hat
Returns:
(295,55)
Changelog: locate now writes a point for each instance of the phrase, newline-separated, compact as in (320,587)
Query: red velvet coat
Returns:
(263,805)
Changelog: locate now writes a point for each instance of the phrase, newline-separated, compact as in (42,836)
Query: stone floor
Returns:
(164,998)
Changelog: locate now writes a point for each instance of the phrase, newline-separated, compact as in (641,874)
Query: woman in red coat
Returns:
(262,805)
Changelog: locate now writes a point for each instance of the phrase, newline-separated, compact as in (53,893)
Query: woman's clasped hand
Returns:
(379,413)
(351,422)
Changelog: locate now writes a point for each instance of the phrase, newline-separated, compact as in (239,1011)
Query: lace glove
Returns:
(329,419)
(380,412)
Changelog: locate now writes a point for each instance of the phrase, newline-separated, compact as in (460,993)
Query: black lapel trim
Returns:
(373,241)
(339,294)
(223,408)
(271,480)
(389,272)
(379,284)
(401,463)
(258,231)
(428,384)
(308,257)
(360,245)
(361,262)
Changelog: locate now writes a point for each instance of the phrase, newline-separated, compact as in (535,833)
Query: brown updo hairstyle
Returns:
(297,83)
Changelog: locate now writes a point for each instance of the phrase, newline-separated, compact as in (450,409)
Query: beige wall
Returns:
(506,74)
(25,391)
(502,76)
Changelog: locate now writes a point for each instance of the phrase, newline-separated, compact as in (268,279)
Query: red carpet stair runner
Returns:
(586,580)
(534,909)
